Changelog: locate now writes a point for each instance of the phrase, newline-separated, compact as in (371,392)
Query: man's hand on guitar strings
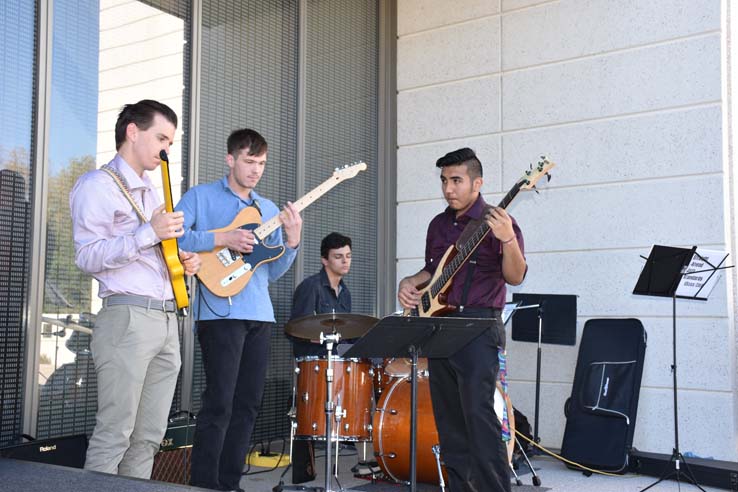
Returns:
(190,262)
(241,240)
(407,294)
(167,225)
(292,223)
(500,223)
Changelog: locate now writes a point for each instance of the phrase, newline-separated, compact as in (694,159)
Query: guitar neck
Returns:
(167,185)
(273,224)
(466,249)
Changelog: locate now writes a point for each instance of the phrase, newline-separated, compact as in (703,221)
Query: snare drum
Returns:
(351,391)
(400,367)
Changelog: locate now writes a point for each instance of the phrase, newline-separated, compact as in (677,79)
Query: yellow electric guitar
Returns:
(226,272)
(169,247)
(433,292)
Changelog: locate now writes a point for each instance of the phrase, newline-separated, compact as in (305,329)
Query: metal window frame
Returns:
(39,192)
(387,152)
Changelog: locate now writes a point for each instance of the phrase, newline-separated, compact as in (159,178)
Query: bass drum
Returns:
(392,432)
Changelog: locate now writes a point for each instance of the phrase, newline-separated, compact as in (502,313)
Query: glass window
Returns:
(17,52)
(105,54)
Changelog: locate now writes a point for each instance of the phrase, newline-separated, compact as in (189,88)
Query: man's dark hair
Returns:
(246,139)
(465,156)
(142,114)
(333,240)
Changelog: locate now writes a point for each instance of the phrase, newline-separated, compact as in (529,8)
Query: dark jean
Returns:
(462,392)
(235,356)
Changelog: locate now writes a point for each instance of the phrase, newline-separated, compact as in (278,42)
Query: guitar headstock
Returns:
(349,171)
(529,179)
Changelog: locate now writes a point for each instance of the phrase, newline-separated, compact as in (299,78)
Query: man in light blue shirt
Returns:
(234,332)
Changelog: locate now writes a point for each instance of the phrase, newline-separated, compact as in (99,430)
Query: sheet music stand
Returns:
(662,276)
(400,336)
(559,314)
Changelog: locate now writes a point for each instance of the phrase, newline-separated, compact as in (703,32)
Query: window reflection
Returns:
(106,54)
(17,41)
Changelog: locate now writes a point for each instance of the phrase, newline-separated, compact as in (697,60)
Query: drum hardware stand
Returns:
(437,453)
(292,416)
(340,413)
(328,341)
(536,478)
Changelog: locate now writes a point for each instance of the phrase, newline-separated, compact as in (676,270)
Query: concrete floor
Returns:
(553,475)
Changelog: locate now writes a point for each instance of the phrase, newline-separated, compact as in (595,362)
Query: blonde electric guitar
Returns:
(433,292)
(226,272)
(169,247)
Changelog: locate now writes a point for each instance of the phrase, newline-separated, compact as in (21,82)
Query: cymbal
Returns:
(347,324)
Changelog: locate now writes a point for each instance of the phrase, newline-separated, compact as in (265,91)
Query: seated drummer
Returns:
(325,292)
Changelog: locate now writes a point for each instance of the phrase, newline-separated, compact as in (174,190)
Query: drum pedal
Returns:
(366,468)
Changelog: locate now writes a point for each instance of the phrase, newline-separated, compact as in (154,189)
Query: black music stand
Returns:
(402,336)
(558,313)
(662,276)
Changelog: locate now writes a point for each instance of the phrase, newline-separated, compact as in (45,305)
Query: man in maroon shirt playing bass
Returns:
(462,386)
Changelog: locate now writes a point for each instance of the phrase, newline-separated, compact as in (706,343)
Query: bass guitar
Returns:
(170,247)
(433,292)
(226,272)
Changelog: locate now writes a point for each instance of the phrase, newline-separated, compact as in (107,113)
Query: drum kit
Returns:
(339,399)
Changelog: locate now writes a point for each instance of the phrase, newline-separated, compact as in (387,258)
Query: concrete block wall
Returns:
(625,95)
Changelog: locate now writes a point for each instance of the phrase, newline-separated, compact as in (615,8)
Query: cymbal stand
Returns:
(292,416)
(328,341)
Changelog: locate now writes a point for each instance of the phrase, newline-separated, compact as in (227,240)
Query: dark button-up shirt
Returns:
(487,288)
(315,295)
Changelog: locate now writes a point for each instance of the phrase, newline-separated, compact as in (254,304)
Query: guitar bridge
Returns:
(227,256)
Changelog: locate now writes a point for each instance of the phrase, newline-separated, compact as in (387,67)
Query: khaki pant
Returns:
(137,360)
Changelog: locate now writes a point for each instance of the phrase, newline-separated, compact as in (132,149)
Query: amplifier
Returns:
(64,451)
(172,462)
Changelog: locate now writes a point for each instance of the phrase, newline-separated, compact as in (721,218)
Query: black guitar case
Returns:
(601,412)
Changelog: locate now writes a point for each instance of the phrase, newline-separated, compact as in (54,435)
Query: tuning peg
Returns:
(548,176)
(336,169)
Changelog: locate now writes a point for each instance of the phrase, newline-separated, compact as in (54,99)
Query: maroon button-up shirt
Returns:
(487,289)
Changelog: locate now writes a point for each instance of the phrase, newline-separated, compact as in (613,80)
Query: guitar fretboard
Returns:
(466,249)
(272,224)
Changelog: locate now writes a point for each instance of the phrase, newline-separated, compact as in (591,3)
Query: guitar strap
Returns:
(470,229)
(469,274)
(120,180)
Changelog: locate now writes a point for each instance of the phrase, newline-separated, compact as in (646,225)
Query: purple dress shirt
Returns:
(487,289)
(110,242)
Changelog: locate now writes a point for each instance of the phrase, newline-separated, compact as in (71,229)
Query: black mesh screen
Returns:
(18,54)
(250,56)
(341,128)
(249,79)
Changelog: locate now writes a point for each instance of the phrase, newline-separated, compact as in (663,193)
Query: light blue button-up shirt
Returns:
(214,206)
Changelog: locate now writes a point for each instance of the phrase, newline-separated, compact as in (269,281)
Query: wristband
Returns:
(508,241)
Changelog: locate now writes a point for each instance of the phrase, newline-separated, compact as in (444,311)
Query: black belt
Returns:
(167,306)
